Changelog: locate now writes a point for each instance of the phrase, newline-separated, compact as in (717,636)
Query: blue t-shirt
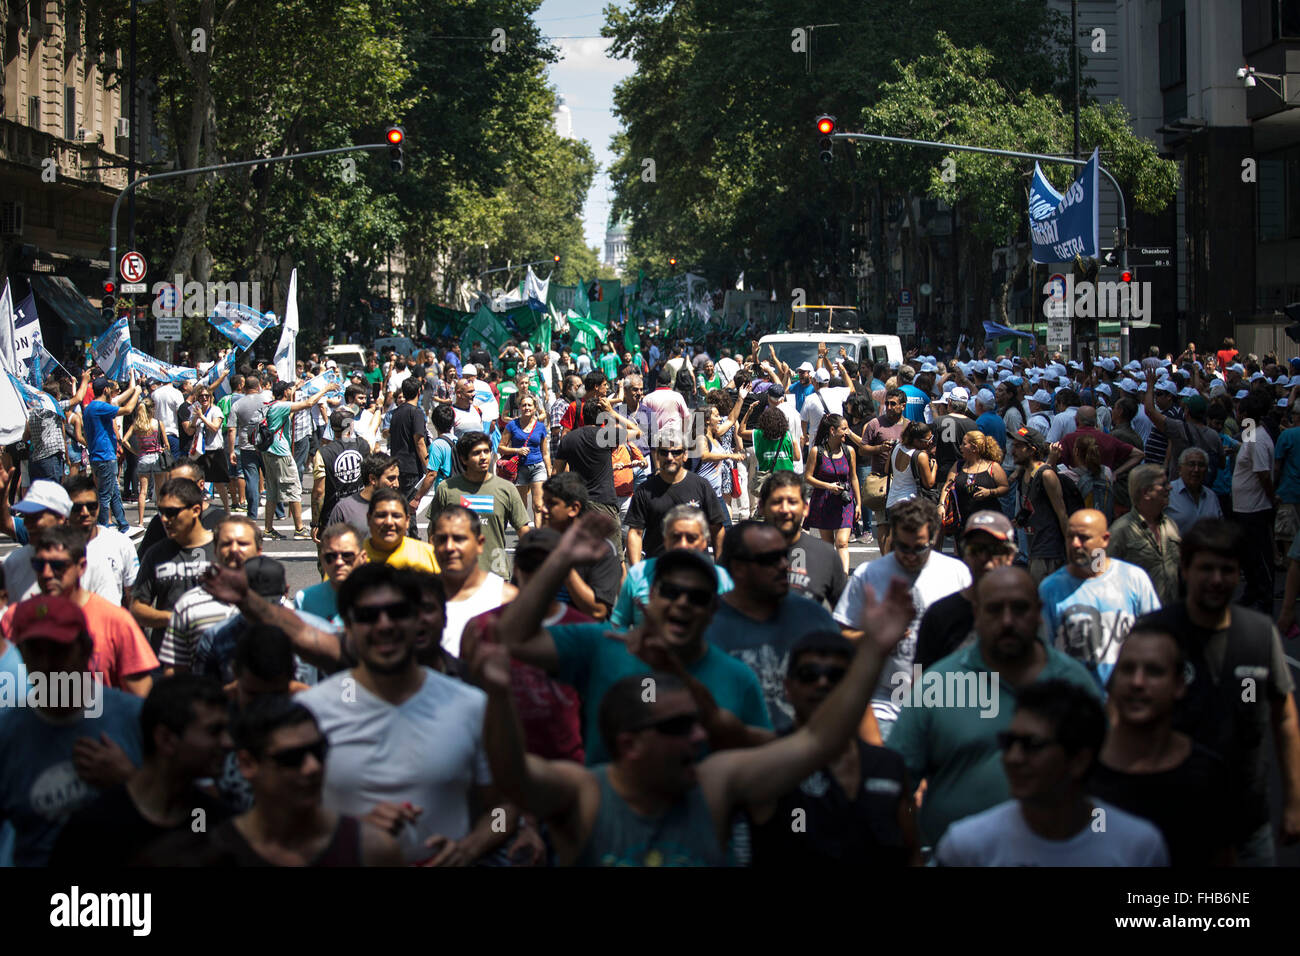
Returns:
(440,460)
(591,661)
(914,410)
(532,439)
(454,359)
(765,645)
(991,424)
(39,786)
(320,600)
(20,530)
(636,587)
(1287,451)
(277,419)
(1223,479)
(100,438)
(13,673)
(1089,618)
(801,392)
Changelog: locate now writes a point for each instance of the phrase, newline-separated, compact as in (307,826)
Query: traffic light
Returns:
(673,262)
(555,259)
(825,127)
(1126,276)
(108,305)
(395,136)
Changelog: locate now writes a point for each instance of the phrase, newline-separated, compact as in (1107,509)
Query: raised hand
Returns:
(586,540)
(226,585)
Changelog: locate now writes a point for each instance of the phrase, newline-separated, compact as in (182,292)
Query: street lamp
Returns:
(1250,77)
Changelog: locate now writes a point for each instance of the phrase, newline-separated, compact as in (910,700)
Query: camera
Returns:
(846,493)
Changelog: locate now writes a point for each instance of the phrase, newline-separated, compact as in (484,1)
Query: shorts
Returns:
(281,478)
(531,474)
(215,465)
(1286,523)
(150,464)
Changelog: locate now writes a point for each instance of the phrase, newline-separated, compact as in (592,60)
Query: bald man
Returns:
(1118,456)
(1090,603)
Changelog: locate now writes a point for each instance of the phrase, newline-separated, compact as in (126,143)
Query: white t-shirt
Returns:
(114,551)
(166,400)
(466,422)
(458,613)
(1062,424)
(825,401)
(396,379)
(428,751)
(20,579)
(727,367)
(1000,837)
(1254,456)
(793,418)
(940,577)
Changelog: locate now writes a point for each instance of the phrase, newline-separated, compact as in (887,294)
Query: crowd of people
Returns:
(1063,645)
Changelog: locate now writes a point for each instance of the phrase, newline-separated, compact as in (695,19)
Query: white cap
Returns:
(1041,397)
(45,495)
(1257,376)
(940,400)
(467,370)
(929,367)
(1129,385)
(1188,392)
(1236,367)
(1242,394)
(1004,374)
(1167,386)
(1134,366)
(823,375)
(805,367)
(948,386)
(1283,402)
(959,394)
(986,398)
(1104,388)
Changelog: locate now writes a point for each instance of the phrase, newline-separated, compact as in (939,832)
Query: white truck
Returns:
(795,348)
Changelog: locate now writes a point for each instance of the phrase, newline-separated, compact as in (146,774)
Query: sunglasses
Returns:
(670,452)
(170,513)
(910,549)
(768,559)
(292,759)
(678,726)
(369,613)
(58,565)
(86,506)
(811,673)
(1031,744)
(700,597)
(329,557)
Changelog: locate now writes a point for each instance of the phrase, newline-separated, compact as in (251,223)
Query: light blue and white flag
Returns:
(35,397)
(27,336)
(111,349)
(319,384)
(147,366)
(240,323)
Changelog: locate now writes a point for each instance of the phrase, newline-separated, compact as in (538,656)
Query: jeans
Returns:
(129,464)
(174,443)
(250,464)
(110,496)
(49,469)
(301,455)
(1258,566)
(868,516)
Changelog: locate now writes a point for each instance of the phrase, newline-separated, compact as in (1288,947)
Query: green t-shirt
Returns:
(224,403)
(375,375)
(774,455)
(609,365)
(495,501)
(591,661)
(277,419)
(709,384)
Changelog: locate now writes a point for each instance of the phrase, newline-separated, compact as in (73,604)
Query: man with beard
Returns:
(683,527)
(954,746)
(654,803)
(389,704)
(816,571)
(671,485)
(457,542)
(683,598)
(1224,642)
(879,438)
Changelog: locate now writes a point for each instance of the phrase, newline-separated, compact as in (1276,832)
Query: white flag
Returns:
(8,355)
(286,353)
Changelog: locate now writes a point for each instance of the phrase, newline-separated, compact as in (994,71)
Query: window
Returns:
(70,112)
(1271,202)
(1173,51)
(1264,22)
(34,112)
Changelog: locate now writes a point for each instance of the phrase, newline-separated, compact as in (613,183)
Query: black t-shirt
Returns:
(211,517)
(656,498)
(406,426)
(604,577)
(862,831)
(591,461)
(112,833)
(945,624)
(816,570)
(949,431)
(482,362)
(166,572)
(1188,804)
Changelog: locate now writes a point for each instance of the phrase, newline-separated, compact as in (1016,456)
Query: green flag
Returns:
(542,335)
(485,327)
(581,304)
(631,341)
(586,332)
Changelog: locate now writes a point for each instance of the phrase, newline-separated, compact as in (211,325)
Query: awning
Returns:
(69,304)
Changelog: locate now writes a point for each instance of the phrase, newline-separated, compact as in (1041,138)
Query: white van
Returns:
(347,356)
(399,344)
(795,348)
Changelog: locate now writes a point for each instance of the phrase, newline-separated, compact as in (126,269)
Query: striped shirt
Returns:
(195,612)
(302,425)
(1157,445)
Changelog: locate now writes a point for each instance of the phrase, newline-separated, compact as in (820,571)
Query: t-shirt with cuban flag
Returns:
(495,501)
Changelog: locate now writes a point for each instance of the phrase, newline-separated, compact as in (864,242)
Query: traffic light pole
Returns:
(129,189)
(1068,160)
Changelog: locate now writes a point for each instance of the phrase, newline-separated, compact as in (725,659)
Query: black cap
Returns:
(266,576)
(685,558)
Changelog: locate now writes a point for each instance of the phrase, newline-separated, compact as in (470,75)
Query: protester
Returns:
(1190,499)
(457,537)
(528,441)
(283,486)
(493,499)
(815,568)
(833,476)
(592,588)
(146,436)
(340,554)
(210,518)
(101,438)
(671,485)
(172,566)
(388,542)
(1147,536)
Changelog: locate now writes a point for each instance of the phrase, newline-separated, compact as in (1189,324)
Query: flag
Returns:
(486,327)
(586,332)
(34,397)
(27,335)
(147,366)
(536,290)
(8,354)
(581,304)
(314,386)
(110,349)
(45,365)
(542,335)
(286,353)
(241,324)
(214,373)
(13,409)
(631,341)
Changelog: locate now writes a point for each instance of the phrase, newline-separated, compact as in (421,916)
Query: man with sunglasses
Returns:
(1049,751)
(212,515)
(107,549)
(439,805)
(172,566)
(649,800)
(952,746)
(340,554)
(930,575)
(591,658)
(989,542)
(684,526)
(858,809)
(46,506)
(759,620)
(671,485)
(121,653)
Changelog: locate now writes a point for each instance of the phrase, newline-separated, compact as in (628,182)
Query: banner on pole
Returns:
(1064,225)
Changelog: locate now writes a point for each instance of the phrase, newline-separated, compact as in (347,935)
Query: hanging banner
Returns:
(27,337)
(147,366)
(1064,225)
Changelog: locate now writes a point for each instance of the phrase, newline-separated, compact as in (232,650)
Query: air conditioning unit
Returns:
(123,126)
(11,218)
(85,136)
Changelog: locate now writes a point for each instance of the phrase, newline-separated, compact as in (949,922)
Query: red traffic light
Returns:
(395,135)
(826,125)
(557,259)
(109,287)
(672,262)
(1126,276)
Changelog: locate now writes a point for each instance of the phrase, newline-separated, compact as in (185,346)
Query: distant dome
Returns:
(617,230)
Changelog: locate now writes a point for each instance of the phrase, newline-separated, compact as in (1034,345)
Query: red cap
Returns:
(53,618)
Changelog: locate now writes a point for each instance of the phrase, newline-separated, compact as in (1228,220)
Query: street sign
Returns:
(168,299)
(906,320)
(168,328)
(1058,334)
(133,267)
(1159,256)
(904,296)
(133,287)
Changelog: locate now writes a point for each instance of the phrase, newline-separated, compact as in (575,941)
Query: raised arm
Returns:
(1149,402)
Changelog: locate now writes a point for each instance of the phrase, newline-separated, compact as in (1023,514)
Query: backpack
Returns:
(264,437)
(1070,493)
(456,467)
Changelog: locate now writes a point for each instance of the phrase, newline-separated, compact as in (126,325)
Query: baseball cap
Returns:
(940,400)
(823,375)
(1128,385)
(101,383)
(991,522)
(45,495)
(986,398)
(266,576)
(467,370)
(53,618)
(929,367)
(1030,436)
(1041,397)
(959,394)
(777,391)
(1167,385)
(805,367)
(1196,404)
(1016,381)
(1242,394)
(542,539)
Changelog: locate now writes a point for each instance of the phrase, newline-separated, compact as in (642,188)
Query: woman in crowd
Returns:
(526,436)
(774,447)
(832,474)
(913,467)
(709,450)
(206,424)
(725,430)
(977,479)
(146,436)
